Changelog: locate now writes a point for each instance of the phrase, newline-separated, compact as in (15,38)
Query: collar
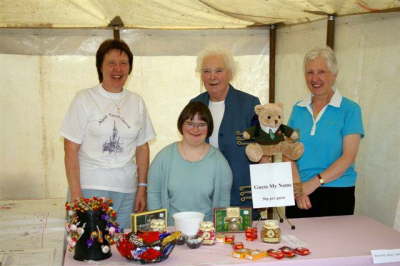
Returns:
(267,129)
(114,96)
(227,99)
(229,95)
(335,101)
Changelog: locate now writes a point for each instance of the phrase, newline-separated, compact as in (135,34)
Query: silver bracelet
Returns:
(142,184)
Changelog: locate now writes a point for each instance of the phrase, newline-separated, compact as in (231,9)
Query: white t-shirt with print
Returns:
(109,127)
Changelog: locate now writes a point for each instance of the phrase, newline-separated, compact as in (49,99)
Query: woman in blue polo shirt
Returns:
(330,128)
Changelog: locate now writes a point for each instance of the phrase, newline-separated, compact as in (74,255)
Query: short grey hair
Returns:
(226,56)
(326,53)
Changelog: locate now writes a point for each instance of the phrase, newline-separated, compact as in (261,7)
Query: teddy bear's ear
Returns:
(258,109)
(280,105)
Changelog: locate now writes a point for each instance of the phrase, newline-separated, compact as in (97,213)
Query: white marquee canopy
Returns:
(179,14)
(46,56)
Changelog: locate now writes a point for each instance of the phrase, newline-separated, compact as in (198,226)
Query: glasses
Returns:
(192,125)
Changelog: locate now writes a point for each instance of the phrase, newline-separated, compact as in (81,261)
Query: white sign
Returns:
(271,185)
(385,255)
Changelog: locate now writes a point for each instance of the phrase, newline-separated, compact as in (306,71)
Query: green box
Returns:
(232,219)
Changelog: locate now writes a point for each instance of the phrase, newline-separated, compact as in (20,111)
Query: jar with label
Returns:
(207,232)
(271,233)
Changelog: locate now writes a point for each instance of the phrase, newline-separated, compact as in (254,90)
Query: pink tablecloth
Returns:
(339,240)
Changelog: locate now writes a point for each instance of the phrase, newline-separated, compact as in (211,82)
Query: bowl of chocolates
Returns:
(147,247)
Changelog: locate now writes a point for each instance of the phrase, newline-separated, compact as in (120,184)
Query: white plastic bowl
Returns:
(188,222)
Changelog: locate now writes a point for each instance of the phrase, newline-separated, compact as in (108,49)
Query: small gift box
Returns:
(232,219)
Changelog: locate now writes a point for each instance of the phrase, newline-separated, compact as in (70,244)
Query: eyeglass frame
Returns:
(196,108)
(200,125)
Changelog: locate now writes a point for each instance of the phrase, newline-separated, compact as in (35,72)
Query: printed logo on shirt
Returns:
(113,144)
(115,116)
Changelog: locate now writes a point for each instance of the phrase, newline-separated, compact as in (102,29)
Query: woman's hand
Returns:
(303,202)
(140,200)
(302,199)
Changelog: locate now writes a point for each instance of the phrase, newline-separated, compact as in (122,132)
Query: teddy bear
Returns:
(271,136)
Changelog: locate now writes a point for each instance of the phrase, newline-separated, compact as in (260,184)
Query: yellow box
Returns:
(240,253)
(256,254)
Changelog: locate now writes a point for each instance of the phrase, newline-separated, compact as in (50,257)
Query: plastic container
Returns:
(188,222)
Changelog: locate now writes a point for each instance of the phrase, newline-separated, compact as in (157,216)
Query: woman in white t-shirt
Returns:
(106,132)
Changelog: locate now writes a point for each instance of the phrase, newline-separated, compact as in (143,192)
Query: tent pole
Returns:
(116,34)
(272,53)
(330,33)
(116,23)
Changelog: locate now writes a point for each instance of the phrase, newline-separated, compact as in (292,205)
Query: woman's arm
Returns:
(71,161)
(223,184)
(155,181)
(302,200)
(142,163)
(297,186)
(351,144)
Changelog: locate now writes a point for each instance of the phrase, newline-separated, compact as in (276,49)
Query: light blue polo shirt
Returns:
(323,137)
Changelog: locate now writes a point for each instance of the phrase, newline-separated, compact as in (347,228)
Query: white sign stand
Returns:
(271,185)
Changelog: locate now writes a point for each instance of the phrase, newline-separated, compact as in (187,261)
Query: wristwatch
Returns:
(321,180)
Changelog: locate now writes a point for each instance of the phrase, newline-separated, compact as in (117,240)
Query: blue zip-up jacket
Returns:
(239,115)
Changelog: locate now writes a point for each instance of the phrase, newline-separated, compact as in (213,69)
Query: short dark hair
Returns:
(106,47)
(196,108)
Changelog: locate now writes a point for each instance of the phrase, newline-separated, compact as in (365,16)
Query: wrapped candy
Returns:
(302,251)
(277,254)
(147,246)
(287,251)
(251,233)
(149,237)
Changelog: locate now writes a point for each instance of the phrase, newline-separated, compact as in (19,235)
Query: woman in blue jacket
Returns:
(232,110)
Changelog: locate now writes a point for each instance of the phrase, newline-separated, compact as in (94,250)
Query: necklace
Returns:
(109,114)
(118,105)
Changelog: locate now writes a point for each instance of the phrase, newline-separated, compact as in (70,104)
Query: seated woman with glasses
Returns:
(190,175)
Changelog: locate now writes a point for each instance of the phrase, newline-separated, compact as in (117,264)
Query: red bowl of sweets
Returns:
(147,247)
